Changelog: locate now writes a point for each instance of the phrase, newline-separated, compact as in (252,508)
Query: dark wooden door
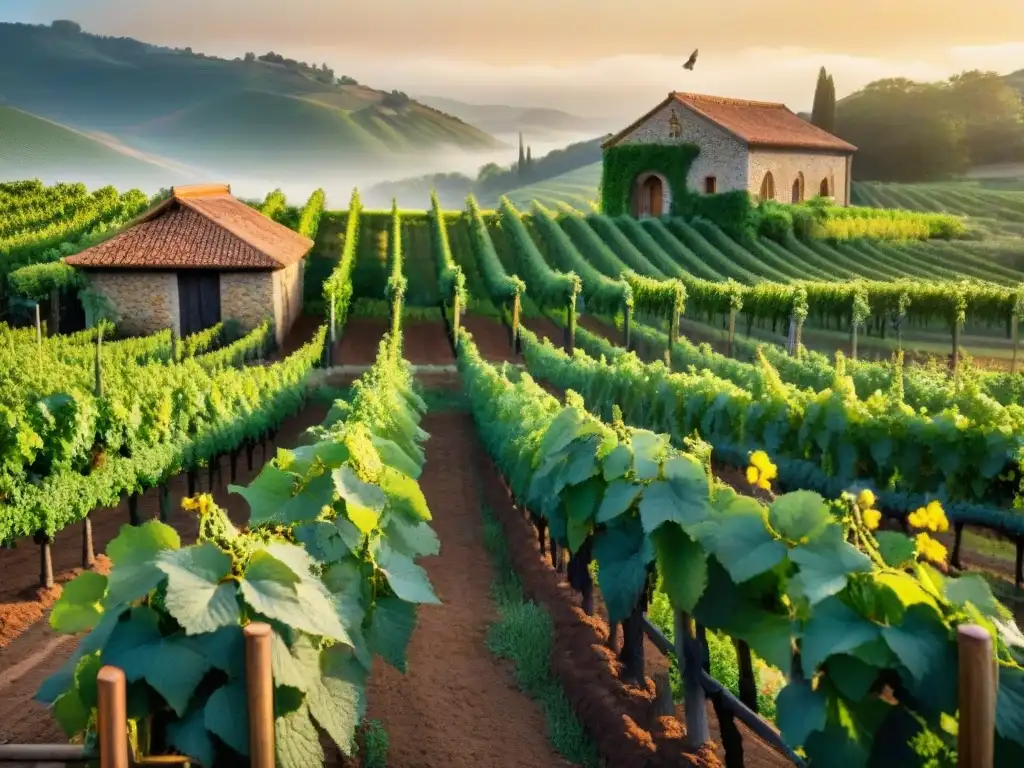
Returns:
(198,300)
(654,196)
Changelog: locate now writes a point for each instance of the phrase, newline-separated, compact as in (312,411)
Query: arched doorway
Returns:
(651,195)
(823,188)
(798,188)
(767,187)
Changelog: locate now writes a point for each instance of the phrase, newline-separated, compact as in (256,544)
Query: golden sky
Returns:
(598,56)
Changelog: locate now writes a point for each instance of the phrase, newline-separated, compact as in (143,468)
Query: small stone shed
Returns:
(758,146)
(198,258)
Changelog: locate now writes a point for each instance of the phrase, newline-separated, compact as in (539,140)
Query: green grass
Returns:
(524,635)
(577,188)
(34,147)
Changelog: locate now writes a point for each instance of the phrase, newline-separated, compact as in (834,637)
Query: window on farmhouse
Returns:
(710,185)
(768,187)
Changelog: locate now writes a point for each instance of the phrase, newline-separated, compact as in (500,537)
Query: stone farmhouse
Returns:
(758,146)
(195,259)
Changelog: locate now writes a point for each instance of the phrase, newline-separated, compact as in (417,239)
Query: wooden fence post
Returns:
(516,310)
(39,327)
(112,722)
(333,335)
(54,312)
(732,332)
(977,696)
(259,688)
(45,560)
(456,313)
(570,328)
(88,554)
(627,316)
(688,655)
(1015,335)
(853,339)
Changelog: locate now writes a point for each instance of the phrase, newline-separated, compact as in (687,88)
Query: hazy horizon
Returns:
(614,62)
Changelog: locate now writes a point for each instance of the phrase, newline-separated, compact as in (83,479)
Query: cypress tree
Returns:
(820,99)
(529,157)
(522,155)
(829,110)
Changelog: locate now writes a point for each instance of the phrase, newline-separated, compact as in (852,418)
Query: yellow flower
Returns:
(872,518)
(190,504)
(764,485)
(866,499)
(929,548)
(760,460)
(936,517)
(918,518)
(752,475)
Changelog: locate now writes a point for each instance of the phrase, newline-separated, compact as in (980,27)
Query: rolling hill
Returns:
(504,119)
(55,152)
(185,105)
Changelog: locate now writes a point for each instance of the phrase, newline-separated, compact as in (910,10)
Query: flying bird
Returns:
(691,61)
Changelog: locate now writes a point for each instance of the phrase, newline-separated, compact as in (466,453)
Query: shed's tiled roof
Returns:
(198,228)
(763,124)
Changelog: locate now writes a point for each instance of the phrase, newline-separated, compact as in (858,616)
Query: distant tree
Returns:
(521,167)
(66,27)
(903,132)
(992,115)
(529,157)
(823,112)
(346,80)
(488,171)
(395,100)
(250,57)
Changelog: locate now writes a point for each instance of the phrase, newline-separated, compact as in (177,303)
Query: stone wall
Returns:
(786,167)
(146,301)
(722,155)
(247,297)
(287,298)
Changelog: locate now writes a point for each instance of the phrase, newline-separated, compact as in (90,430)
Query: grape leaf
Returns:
(743,543)
(896,549)
(1010,703)
(618,462)
(324,541)
(336,699)
(71,713)
(624,554)
(78,607)
(267,494)
(833,628)
(618,497)
(682,497)
(196,598)
(64,677)
(408,580)
(923,647)
(972,588)
(412,539)
(190,737)
(297,666)
(851,676)
(224,649)
(132,552)
(358,492)
(300,460)
(308,502)
(391,628)
(85,678)
(392,455)
(800,515)
(800,712)
(825,564)
(683,566)
(647,449)
(296,740)
(404,496)
(226,716)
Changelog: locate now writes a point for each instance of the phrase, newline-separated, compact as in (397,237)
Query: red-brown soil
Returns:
(491,338)
(30,650)
(546,329)
(458,706)
(423,342)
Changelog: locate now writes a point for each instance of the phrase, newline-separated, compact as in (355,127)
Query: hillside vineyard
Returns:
(787,440)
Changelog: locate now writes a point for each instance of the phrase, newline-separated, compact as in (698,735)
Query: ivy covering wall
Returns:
(731,211)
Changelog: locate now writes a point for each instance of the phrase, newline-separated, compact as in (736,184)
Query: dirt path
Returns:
(423,342)
(458,707)
(29,650)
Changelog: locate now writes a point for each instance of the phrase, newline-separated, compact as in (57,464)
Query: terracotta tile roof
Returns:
(763,124)
(199,227)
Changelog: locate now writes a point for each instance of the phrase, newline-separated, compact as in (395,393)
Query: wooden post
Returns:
(165,503)
(663,704)
(191,482)
(54,325)
(673,336)
(516,311)
(174,346)
(853,339)
(88,554)
(688,655)
(211,468)
(112,718)
(456,316)
(1015,334)
(333,335)
(791,341)
(570,328)
(958,533)
(627,316)
(748,686)
(730,347)
(45,560)
(977,696)
(133,508)
(39,327)
(259,688)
